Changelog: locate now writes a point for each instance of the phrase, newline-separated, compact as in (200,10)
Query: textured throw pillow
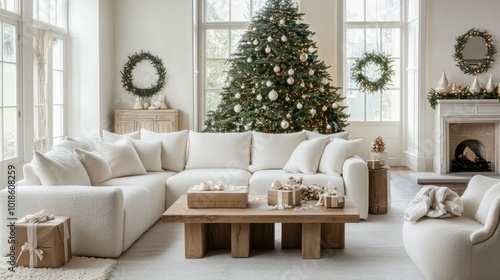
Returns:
(343,134)
(59,167)
(30,177)
(97,167)
(272,151)
(335,153)
(487,202)
(218,150)
(84,143)
(305,158)
(111,137)
(173,148)
(150,153)
(122,158)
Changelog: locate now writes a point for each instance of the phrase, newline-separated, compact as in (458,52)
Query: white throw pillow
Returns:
(149,152)
(111,137)
(173,148)
(84,143)
(30,177)
(59,167)
(122,158)
(343,134)
(272,151)
(335,153)
(96,165)
(305,158)
(219,150)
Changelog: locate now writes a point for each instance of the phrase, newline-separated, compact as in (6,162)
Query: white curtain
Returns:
(42,42)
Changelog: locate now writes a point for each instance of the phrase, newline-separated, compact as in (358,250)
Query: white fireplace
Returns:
(460,123)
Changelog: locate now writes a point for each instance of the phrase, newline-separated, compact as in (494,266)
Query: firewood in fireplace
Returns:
(470,155)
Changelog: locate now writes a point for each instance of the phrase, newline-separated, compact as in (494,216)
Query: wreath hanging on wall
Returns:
(486,61)
(384,64)
(128,77)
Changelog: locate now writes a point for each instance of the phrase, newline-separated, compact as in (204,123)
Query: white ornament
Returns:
(443,86)
(304,96)
(303,57)
(328,127)
(324,108)
(321,89)
(475,87)
(273,95)
(311,49)
(299,105)
(269,83)
(227,84)
(298,22)
(489,85)
(287,98)
(283,38)
(285,124)
(282,21)
(454,87)
(335,105)
(259,97)
(291,72)
(242,86)
(276,69)
(268,49)
(256,49)
(264,107)
(269,39)
(238,95)
(231,78)
(313,111)
(248,127)
(256,42)
(324,81)
(249,60)
(221,97)
(146,105)
(290,81)
(302,84)
(288,116)
(237,108)
(311,72)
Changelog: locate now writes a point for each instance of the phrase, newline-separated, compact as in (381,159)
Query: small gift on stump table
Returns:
(43,240)
(216,195)
(331,199)
(289,194)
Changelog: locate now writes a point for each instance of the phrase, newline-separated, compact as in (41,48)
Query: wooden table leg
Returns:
(240,240)
(333,235)
(262,236)
(291,236)
(195,240)
(311,240)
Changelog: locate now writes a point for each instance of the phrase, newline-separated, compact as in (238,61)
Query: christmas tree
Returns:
(276,82)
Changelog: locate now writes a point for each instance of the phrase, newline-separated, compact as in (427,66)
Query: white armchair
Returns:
(466,247)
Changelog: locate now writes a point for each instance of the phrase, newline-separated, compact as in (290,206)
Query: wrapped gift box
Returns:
(284,197)
(333,201)
(373,164)
(236,197)
(51,239)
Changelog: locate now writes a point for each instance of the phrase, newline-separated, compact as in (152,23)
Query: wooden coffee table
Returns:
(253,227)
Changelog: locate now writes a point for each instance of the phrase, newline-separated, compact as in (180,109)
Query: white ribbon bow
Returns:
(31,246)
(38,217)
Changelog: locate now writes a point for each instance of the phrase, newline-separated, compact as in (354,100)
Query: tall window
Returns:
(373,25)
(10,5)
(223,22)
(52,12)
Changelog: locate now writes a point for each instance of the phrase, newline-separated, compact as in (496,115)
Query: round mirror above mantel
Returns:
(474,52)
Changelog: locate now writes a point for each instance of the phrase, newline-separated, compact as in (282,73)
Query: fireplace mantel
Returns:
(459,111)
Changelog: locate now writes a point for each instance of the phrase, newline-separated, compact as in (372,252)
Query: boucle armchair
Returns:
(466,247)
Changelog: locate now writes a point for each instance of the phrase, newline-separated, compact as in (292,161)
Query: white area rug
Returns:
(80,268)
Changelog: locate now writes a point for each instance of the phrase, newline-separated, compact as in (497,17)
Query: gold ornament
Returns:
(378,145)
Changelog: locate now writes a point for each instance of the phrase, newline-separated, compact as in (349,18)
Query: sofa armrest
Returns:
(96,214)
(490,225)
(355,175)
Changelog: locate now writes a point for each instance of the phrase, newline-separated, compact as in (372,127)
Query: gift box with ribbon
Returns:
(331,200)
(288,194)
(216,195)
(43,240)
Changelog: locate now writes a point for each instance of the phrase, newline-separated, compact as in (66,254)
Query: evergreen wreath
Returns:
(385,68)
(487,60)
(128,78)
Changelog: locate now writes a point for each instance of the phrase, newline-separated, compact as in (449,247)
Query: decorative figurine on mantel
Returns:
(138,104)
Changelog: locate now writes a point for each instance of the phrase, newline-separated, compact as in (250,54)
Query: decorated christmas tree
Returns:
(276,81)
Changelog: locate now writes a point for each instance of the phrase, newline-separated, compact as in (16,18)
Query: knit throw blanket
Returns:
(434,202)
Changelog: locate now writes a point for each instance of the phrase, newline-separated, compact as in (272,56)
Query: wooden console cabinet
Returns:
(164,120)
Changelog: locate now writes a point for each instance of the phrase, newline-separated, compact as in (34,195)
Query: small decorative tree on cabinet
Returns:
(276,82)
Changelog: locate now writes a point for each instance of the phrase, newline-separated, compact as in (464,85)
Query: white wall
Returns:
(106,64)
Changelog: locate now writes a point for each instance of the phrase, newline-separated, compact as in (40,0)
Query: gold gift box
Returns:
(49,238)
(237,198)
(284,197)
(333,201)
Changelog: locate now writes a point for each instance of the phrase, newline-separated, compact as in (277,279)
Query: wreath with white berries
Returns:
(128,77)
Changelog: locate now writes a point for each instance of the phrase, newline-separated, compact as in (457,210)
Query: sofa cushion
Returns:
(486,203)
(113,137)
(218,150)
(30,177)
(335,153)
(122,158)
(261,180)
(59,167)
(180,183)
(343,134)
(96,166)
(305,158)
(272,151)
(149,152)
(173,148)
(84,143)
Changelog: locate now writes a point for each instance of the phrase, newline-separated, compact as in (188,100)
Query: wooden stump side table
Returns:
(379,190)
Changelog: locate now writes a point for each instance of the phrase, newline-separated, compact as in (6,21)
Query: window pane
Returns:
(57,121)
(373,106)
(60,13)
(257,5)
(216,73)
(391,38)
(390,105)
(240,10)
(355,42)
(43,12)
(383,10)
(396,79)
(348,78)
(52,12)
(212,99)
(57,54)
(10,5)
(9,85)
(372,39)
(9,42)
(217,10)
(9,132)
(235,39)
(355,102)
(57,87)
(355,10)
(217,43)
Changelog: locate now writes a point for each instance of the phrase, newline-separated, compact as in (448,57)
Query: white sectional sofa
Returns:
(119,186)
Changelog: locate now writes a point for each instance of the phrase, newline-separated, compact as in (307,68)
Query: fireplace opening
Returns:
(470,156)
